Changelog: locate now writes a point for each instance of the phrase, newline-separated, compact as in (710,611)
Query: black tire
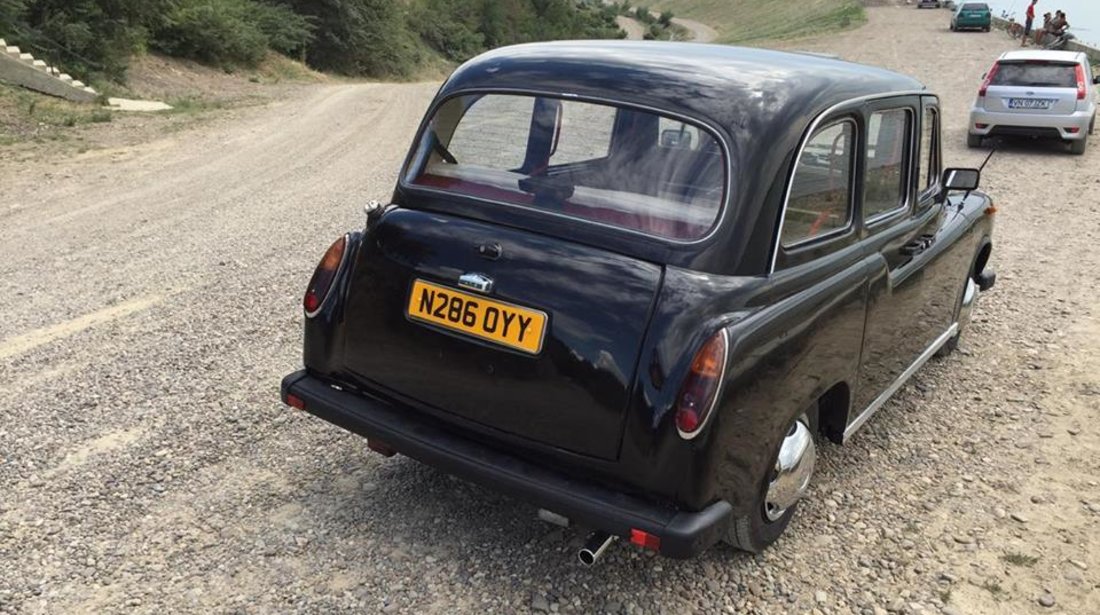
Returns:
(952,27)
(1077,148)
(1092,124)
(986,29)
(974,140)
(754,532)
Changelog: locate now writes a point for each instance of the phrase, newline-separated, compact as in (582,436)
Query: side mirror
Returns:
(961,179)
(676,139)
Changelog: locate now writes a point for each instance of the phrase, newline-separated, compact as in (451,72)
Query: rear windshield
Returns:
(614,165)
(1036,74)
(975,6)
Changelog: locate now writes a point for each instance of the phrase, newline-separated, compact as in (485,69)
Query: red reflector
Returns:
(645,540)
(295,402)
(1073,130)
(311,302)
(981,126)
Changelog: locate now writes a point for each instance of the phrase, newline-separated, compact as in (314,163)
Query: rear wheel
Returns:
(1078,147)
(974,140)
(777,498)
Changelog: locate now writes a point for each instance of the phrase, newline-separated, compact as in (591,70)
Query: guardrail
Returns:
(1092,52)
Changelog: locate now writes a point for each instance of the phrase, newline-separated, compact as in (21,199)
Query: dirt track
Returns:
(151,304)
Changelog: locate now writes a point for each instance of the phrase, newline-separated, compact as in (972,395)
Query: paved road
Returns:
(151,304)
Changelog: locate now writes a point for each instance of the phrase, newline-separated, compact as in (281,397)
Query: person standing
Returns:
(1029,22)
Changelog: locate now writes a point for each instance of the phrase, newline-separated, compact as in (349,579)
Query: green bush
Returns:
(376,38)
(228,32)
(360,37)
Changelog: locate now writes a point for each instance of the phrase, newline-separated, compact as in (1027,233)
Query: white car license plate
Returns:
(1030,103)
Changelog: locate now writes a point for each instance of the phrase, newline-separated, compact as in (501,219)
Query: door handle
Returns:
(918,245)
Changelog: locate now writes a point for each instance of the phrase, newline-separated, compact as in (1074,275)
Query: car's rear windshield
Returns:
(614,165)
(1036,74)
(975,6)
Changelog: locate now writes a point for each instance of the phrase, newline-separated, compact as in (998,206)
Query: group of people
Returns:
(1054,26)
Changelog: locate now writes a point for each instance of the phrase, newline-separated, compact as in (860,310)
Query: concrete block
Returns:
(65,77)
(13,70)
(125,104)
(3,43)
(77,83)
(12,50)
(40,65)
(26,57)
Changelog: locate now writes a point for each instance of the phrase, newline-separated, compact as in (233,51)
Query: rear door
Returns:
(1033,88)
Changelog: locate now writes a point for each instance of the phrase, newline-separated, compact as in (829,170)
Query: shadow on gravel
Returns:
(1026,145)
(412,514)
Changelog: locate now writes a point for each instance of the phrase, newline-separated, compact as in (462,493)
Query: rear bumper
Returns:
(1030,125)
(972,24)
(683,534)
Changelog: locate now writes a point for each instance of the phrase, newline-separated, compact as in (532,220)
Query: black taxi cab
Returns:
(631,283)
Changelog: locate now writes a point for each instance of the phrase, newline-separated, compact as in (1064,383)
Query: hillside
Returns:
(755,21)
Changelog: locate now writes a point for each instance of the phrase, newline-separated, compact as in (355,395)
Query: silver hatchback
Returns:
(1036,93)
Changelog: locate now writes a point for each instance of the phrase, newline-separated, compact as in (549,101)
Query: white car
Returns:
(1040,93)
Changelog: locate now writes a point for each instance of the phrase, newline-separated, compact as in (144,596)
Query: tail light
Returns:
(988,79)
(320,285)
(698,394)
(1082,87)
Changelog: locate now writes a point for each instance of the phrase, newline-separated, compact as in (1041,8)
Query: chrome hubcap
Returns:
(793,468)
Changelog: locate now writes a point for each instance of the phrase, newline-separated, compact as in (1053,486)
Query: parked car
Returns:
(1036,93)
(926,4)
(630,282)
(972,16)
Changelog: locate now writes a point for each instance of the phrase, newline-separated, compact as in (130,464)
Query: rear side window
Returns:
(975,6)
(1036,74)
(821,189)
(614,165)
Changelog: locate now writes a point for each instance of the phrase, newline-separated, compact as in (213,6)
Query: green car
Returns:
(972,16)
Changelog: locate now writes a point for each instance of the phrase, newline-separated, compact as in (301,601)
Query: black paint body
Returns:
(833,323)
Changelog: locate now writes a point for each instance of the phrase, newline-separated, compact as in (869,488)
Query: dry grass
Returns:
(750,22)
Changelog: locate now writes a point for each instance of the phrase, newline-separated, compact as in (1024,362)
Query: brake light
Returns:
(1082,88)
(989,78)
(699,392)
(321,283)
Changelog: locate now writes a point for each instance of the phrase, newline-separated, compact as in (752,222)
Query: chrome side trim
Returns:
(902,379)
(824,115)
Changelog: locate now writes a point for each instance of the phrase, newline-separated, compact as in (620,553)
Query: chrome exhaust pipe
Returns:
(594,547)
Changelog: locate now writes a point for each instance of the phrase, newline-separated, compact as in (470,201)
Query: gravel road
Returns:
(151,304)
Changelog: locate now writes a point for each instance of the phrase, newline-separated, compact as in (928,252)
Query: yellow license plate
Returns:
(502,323)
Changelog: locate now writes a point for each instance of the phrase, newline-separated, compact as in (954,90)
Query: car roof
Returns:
(731,86)
(1042,54)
